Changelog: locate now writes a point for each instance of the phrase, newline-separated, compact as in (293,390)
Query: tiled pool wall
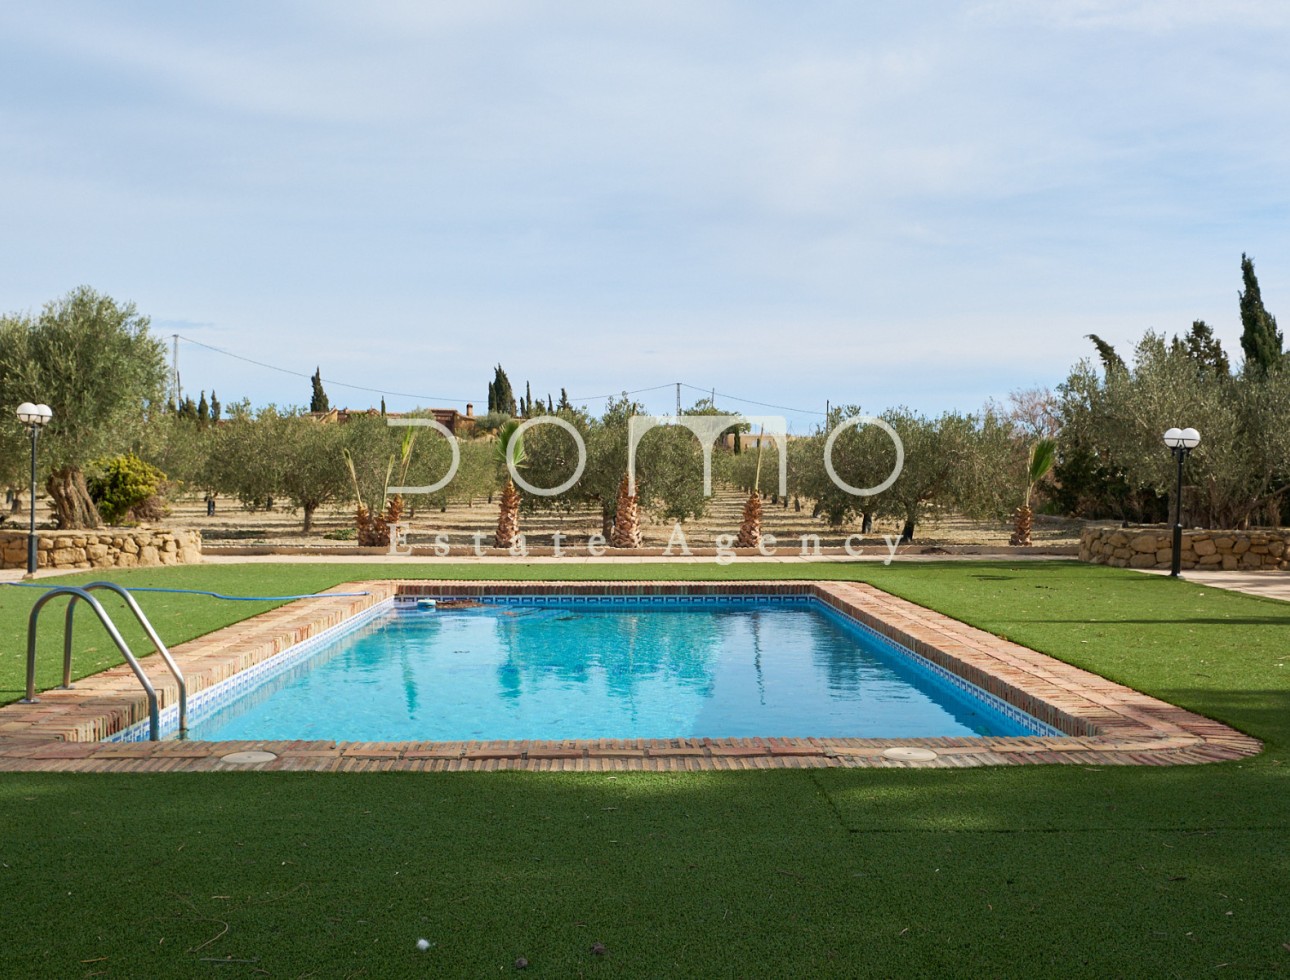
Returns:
(1030,722)
(1017,700)
(806,599)
(111,706)
(229,690)
(1034,713)
(1104,723)
(226,692)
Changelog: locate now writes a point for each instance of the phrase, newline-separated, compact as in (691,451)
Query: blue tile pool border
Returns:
(1034,726)
(222,693)
(1011,712)
(1104,723)
(229,690)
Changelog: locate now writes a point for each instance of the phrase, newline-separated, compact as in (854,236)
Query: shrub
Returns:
(126,483)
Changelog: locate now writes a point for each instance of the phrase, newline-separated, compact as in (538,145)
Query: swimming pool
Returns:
(593,667)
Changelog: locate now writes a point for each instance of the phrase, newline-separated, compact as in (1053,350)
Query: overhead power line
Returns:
(638,391)
(463,401)
(749,401)
(330,381)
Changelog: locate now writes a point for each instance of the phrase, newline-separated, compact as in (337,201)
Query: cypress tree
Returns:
(1205,349)
(319,401)
(215,406)
(1260,339)
(1111,361)
(502,392)
(203,410)
(564,400)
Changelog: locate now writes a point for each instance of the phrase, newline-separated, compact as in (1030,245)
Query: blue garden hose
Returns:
(216,595)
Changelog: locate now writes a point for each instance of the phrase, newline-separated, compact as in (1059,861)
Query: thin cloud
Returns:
(934,205)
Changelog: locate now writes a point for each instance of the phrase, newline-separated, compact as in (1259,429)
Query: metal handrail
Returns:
(147,628)
(154,719)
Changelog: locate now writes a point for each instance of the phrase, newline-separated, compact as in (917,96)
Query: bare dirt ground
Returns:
(232,526)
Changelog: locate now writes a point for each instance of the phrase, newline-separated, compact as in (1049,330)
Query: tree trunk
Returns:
(750,527)
(363,527)
(866,522)
(627,521)
(309,516)
(606,520)
(1023,522)
(907,534)
(508,516)
(72,504)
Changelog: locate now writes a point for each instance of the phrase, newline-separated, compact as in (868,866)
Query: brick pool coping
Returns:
(1107,723)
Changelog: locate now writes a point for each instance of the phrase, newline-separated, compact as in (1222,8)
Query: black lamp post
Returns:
(34,418)
(1180,442)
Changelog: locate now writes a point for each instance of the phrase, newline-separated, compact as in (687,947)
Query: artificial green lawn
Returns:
(1026,871)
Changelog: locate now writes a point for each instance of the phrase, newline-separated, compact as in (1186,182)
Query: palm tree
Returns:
(373,526)
(1043,453)
(394,506)
(371,529)
(750,526)
(627,518)
(508,511)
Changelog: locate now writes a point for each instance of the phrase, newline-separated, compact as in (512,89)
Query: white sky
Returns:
(925,204)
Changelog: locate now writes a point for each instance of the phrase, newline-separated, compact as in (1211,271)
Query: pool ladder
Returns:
(83,593)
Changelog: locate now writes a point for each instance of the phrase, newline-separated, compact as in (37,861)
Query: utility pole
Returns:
(175,367)
(678,399)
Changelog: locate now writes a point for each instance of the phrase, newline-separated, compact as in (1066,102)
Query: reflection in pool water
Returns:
(563,672)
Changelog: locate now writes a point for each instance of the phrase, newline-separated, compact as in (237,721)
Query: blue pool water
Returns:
(559,671)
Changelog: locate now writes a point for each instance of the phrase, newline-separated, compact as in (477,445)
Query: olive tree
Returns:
(552,457)
(281,455)
(956,460)
(245,464)
(938,454)
(13,446)
(181,448)
(668,465)
(860,456)
(93,361)
(1238,475)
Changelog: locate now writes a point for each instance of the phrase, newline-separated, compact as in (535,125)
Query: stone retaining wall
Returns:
(1152,547)
(113,547)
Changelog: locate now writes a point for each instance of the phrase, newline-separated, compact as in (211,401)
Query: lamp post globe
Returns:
(33,417)
(1180,442)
